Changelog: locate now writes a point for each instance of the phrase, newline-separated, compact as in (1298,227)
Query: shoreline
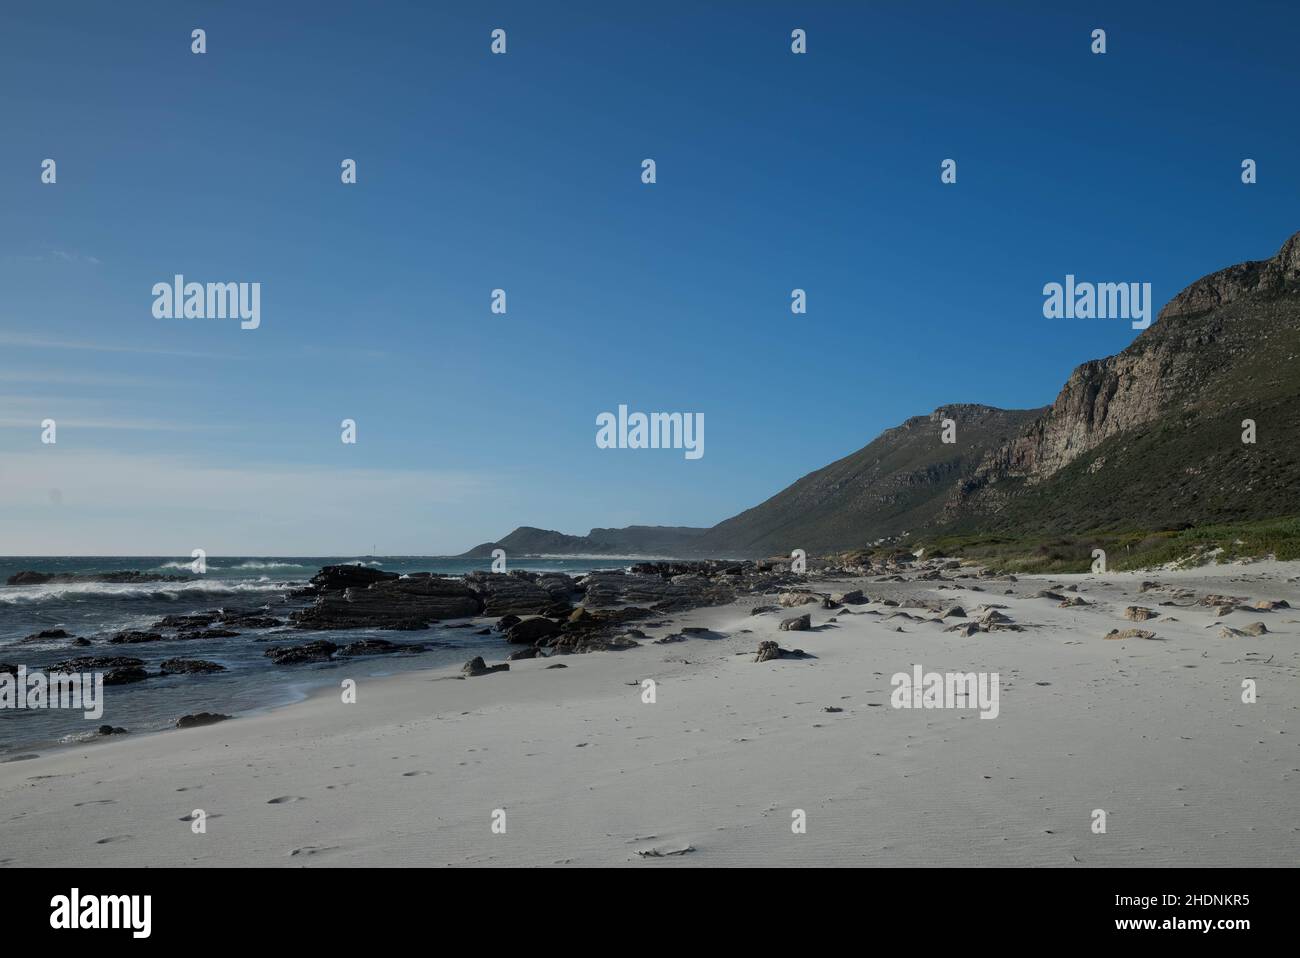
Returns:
(588,773)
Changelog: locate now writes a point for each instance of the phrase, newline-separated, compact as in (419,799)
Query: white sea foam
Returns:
(54,591)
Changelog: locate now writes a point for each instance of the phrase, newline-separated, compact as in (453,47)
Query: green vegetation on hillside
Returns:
(1124,550)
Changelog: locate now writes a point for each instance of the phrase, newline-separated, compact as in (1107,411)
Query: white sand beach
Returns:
(1153,731)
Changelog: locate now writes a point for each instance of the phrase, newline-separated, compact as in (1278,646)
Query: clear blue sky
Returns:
(522,171)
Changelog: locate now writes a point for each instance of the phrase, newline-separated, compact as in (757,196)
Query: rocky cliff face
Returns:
(1205,354)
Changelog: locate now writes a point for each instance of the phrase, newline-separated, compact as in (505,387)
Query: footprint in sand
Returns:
(111,839)
(285,799)
(190,816)
(410,774)
(97,801)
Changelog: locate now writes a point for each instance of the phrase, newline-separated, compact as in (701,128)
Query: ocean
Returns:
(97,610)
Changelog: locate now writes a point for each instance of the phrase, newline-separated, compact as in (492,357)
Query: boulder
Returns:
(798,623)
(476,666)
(770,650)
(529,631)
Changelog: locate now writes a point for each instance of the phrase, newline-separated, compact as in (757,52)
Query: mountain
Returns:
(1150,438)
(899,482)
(672,541)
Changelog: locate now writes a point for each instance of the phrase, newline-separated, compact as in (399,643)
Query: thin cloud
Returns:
(33,342)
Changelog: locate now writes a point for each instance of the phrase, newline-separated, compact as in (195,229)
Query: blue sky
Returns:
(522,172)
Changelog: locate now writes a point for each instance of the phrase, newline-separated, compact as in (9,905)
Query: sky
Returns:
(523,172)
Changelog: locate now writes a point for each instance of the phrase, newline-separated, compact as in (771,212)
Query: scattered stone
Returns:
(798,623)
(770,650)
(1137,613)
(789,599)
(1130,634)
(476,666)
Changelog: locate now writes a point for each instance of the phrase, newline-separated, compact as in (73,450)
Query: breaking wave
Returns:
(64,591)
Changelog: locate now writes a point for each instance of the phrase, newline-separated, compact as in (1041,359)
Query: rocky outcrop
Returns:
(119,578)
(406,603)
(117,669)
(519,593)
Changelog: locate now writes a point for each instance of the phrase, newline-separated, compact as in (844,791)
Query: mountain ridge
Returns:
(1150,437)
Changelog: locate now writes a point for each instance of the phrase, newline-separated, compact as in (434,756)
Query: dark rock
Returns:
(379,647)
(798,623)
(117,669)
(557,665)
(581,644)
(190,667)
(505,622)
(80,642)
(196,620)
(200,718)
(529,653)
(408,603)
(770,650)
(319,651)
(504,594)
(111,730)
(207,634)
(338,578)
(134,638)
(476,666)
(47,634)
(528,631)
(121,578)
